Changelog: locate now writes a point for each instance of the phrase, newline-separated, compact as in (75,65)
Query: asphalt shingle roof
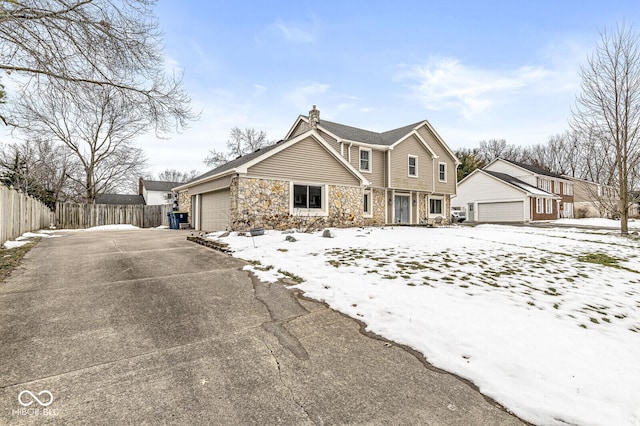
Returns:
(160,185)
(366,136)
(536,169)
(518,183)
(122,199)
(342,131)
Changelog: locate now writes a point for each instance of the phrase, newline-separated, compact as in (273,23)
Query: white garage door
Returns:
(214,210)
(512,211)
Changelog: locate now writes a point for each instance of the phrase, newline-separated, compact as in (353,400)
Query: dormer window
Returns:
(365,160)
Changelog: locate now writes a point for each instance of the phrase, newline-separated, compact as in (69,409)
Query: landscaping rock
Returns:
(328,234)
(291,239)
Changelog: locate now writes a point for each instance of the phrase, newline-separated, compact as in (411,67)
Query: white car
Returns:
(458,215)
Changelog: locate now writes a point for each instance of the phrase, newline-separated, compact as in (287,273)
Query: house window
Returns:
(413,166)
(307,197)
(568,188)
(365,160)
(368,200)
(442,172)
(539,205)
(549,206)
(435,206)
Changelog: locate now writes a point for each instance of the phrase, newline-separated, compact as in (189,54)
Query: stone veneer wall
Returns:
(379,212)
(258,202)
(184,204)
(345,206)
(264,202)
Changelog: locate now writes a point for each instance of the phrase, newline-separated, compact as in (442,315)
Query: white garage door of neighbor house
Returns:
(215,210)
(512,211)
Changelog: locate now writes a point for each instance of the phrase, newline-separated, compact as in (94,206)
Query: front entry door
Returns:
(402,208)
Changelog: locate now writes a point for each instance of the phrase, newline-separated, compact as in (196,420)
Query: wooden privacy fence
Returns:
(76,216)
(20,213)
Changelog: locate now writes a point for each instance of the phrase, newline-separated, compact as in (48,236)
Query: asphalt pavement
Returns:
(144,327)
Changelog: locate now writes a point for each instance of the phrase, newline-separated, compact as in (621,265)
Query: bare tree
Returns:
(240,142)
(609,106)
(173,175)
(499,148)
(96,124)
(104,43)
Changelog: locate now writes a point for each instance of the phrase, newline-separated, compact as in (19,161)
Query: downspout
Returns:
(349,151)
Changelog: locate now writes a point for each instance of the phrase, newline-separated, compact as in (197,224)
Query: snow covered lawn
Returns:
(544,320)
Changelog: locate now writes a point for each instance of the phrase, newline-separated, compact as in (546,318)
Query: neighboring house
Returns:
(593,199)
(157,192)
(506,191)
(328,174)
(119,199)
(634,209)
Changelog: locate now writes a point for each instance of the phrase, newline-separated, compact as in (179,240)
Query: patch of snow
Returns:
(519,311)
(597,222)
(122,227)
(14,244)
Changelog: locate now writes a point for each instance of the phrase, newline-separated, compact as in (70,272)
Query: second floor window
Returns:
(413,166)
(442,172)
(365,160)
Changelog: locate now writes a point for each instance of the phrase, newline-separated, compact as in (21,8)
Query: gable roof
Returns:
(517,183)
(366,136)
(160,185)
(533,169)
(231,165)
(121,199)
(241,164)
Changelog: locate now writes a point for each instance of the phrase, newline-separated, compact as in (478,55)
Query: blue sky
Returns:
(475,69)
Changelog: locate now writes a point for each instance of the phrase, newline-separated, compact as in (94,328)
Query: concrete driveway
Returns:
(144,327)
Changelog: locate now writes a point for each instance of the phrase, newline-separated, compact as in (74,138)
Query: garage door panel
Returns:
(512,211)
(215,210)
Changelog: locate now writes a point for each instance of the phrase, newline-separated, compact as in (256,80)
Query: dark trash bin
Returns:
(181,217)
(173,221)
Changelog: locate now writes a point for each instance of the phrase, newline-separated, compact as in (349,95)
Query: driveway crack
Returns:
(291,392)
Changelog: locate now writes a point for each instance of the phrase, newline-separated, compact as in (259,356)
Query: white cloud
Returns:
(296,33)
(446,83)
(302,97)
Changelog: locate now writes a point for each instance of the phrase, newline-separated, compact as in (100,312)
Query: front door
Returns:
(402,208)
(470,213)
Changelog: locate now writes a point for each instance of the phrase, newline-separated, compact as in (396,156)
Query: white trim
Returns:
(428,206)
(409,157)
(440,163)
(439,139)
(368,214)
(310,212)
(369,160)
(420,139)
(295,124)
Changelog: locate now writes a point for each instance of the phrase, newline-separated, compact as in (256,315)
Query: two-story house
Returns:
(508,191)
(328,174)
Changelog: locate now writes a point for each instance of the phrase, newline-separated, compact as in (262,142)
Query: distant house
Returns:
(119,199)
(507,191)
(593,199)
(331,174)
(157,192)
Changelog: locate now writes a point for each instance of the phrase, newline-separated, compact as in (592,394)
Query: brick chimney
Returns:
(314,117)
(140,185)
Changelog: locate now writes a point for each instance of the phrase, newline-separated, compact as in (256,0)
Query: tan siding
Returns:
(299,129)
(400,166)
(333,142)
(223,182)
(443,156)
(378,165)
(307,161)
